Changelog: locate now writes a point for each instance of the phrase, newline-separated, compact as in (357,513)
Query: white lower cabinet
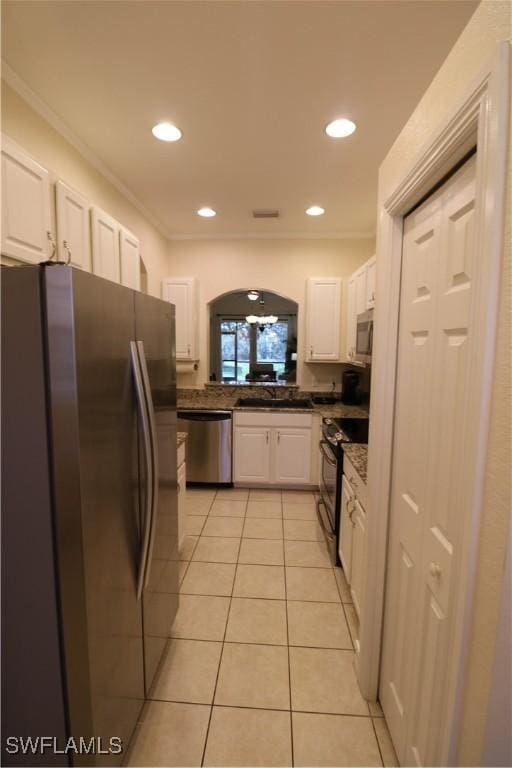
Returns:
(346,528)
(252,455)
(359,539)
(182,490)
(272,448)
(292,451)
(353,535)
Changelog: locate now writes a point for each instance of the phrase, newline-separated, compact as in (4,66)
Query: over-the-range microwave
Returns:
(364,337)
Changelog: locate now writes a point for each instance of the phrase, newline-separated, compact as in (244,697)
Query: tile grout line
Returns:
(222,651)
(264,645)
(267,709)
(377,740)
(288,648)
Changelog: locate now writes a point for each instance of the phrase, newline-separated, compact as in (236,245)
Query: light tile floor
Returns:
(260,668)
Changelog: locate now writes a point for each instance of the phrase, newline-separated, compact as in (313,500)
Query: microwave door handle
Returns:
(146,439)
(154,454)
(324,454)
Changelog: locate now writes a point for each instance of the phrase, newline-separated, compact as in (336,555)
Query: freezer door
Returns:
(96,480)
(156,332)
(33,698)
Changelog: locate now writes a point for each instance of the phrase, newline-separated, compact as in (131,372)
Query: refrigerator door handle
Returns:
(154,453)
(144,419)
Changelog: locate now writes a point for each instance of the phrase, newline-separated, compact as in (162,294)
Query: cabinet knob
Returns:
(278,437)
(267,434)
(435,570)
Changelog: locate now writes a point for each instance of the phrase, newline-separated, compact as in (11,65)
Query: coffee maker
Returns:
(350,388)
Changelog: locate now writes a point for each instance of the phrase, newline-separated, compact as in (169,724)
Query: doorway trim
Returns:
(480,119)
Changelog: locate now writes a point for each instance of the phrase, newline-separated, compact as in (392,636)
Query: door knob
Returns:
(435,570)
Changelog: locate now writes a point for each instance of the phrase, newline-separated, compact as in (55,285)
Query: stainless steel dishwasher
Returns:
(208,445)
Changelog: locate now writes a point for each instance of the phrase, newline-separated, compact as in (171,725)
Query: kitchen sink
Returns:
(264,402)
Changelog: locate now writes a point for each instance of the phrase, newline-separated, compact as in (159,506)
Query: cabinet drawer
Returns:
(266,419)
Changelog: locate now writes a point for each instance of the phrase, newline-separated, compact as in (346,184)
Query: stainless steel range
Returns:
(335,433)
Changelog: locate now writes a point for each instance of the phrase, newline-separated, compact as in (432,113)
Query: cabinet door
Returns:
(292,456)
(370,283)
(351,318)
(73,227)
(129,255)
(323,320)
(346,528)
(25,206)
(182,513)
(105,245)
(181,292)
(361,290)
(358,556)
(251,458)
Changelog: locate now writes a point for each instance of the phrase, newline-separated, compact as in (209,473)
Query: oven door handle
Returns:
(328,532)
(328,458)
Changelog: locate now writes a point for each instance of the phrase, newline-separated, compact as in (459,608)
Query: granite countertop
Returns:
(181,436)
(357,453)
(219,398)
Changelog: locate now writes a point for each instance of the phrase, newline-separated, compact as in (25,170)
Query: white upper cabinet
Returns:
(323,320)
(351,318)
(360,276)
(361,297)
(182,292)
(105,245)
(73,227)
(25,206)
(370,282)
(129,253)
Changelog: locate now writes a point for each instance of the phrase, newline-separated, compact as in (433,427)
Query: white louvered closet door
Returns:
(430,497)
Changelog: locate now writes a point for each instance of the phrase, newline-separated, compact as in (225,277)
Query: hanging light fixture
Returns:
(253,295)
(262,320)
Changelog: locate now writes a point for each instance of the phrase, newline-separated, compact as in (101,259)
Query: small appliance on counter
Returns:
(351,393)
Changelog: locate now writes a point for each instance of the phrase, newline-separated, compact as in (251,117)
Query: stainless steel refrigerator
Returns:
(89,507)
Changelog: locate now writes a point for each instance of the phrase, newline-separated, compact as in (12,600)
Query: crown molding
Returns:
(277,236)
(23,90)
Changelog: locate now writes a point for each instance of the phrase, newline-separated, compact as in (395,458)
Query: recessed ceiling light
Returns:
(166,132)
(340,128)
(315,210)
(207,213)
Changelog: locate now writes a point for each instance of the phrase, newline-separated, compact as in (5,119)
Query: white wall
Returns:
(490,24)
(275,265)
(35,135)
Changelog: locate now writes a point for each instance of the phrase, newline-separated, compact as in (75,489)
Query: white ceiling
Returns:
(250,84)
